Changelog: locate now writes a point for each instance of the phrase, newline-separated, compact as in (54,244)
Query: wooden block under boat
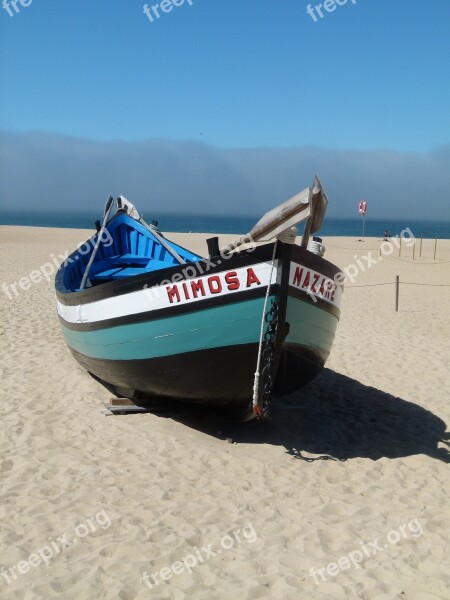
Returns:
(121,402)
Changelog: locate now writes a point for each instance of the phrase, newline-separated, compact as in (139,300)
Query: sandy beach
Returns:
(184,505)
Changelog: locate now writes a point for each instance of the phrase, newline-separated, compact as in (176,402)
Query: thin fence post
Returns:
(414,250)
(435,247)
(397,291)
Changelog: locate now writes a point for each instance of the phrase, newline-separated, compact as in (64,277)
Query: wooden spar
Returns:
(309,223)
(309,204)
(163,242)
(108,207)
(275,221)
(319,203)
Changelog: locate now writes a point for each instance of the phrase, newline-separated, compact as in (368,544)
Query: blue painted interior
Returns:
(128,249)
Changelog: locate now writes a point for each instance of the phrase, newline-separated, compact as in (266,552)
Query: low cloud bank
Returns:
(54,172)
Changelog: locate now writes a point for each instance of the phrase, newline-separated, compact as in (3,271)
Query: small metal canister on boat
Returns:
(316,246)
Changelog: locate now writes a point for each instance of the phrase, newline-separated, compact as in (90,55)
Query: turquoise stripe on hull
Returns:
(310,325)
(228,325)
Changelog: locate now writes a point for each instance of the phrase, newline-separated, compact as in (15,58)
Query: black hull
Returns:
(194,377)
(297,366)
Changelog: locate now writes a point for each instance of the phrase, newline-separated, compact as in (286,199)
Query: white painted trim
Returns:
(159,297)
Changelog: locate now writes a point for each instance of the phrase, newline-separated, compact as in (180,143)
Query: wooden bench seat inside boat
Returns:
(124,266)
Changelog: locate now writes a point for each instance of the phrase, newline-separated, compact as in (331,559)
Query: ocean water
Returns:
(230,224)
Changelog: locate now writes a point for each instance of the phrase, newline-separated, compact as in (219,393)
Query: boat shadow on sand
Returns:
(337,418)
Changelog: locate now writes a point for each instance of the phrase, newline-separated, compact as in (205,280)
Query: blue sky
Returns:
(231,73)
(96,97)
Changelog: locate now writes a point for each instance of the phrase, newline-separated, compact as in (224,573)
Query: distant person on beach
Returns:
(386,233)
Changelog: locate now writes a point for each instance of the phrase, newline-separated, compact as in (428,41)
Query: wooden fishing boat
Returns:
(149,319)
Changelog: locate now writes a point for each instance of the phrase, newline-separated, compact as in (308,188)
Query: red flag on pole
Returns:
(362,207)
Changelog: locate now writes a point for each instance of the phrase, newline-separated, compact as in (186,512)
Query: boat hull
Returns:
(197,340)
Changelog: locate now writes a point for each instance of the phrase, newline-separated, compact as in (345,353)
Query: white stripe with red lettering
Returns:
(181,292)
